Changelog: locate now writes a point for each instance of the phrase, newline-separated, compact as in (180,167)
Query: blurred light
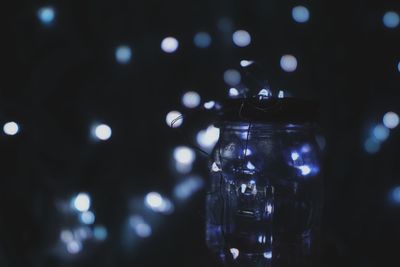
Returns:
(87,217)
(141,228)
(74,247)
(295,156)
(202,40)
(82,202)
(246,63)
(191,99)
(209,104)
(268,255)
(241,38)
(305,170)
(100,233)
(281,94)
(123,54)
(288,63)
(66,236)
(300,14)
(306,148)
(46,15)
(391,120)
(380,132)
(396,195)
(154,200)
(169,44)
(398,66)
(174,119)
(372,146)
(11,128)
(188,187)
(232,77)
(209,137)
(103,132)
(82,233)
(184,155)
(247,152)
(391,19)
(225,24)
(235,253)
(233,92)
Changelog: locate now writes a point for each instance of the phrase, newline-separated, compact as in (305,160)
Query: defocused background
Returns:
(93,174)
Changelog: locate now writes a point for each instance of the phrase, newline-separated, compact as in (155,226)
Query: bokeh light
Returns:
(208,138)
(391,19)
(184,155)
(102,132)
(372,146)
(202,39)
(141,228)
(100,233)
(241,38)
(188,187)
(191,99)
(46,15)
(74,247)
(380,132)
(169,44)
(123,54)
(391,120)
(232,77)
(300,14)
(81,202)
(288,63)
(245,63)
(174,119)
(87,217)
(11,128)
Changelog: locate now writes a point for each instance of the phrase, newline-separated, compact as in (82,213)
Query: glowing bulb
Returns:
(169,44)
(215,168)
(46,15)
(209,137)
(246,63)
(305,170)
(233,92)
(235,253)
(82,202)
(184,155)
(241,38)
(295,156)
(11,128)
(154,200)
(250,166)
(202,40)
(391,19)
(209,104)
(391,120)
(123,54)
(174,119)
(300,14)
(191,99)
(264,93)
(288,63)
(281,94)
(268,255)
(103,132)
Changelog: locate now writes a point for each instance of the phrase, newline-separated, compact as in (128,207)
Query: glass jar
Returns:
(264,195)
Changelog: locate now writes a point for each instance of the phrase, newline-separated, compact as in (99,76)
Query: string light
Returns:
(81,202)
(174,119)
(102,132)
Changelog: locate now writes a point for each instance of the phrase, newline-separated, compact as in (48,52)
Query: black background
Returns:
(58,80)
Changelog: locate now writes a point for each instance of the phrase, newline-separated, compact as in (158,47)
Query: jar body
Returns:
(264,195)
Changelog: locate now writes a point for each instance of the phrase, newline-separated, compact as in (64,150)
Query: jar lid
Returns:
(271,109)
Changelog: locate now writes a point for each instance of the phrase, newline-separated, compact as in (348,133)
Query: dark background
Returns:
(58,80)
